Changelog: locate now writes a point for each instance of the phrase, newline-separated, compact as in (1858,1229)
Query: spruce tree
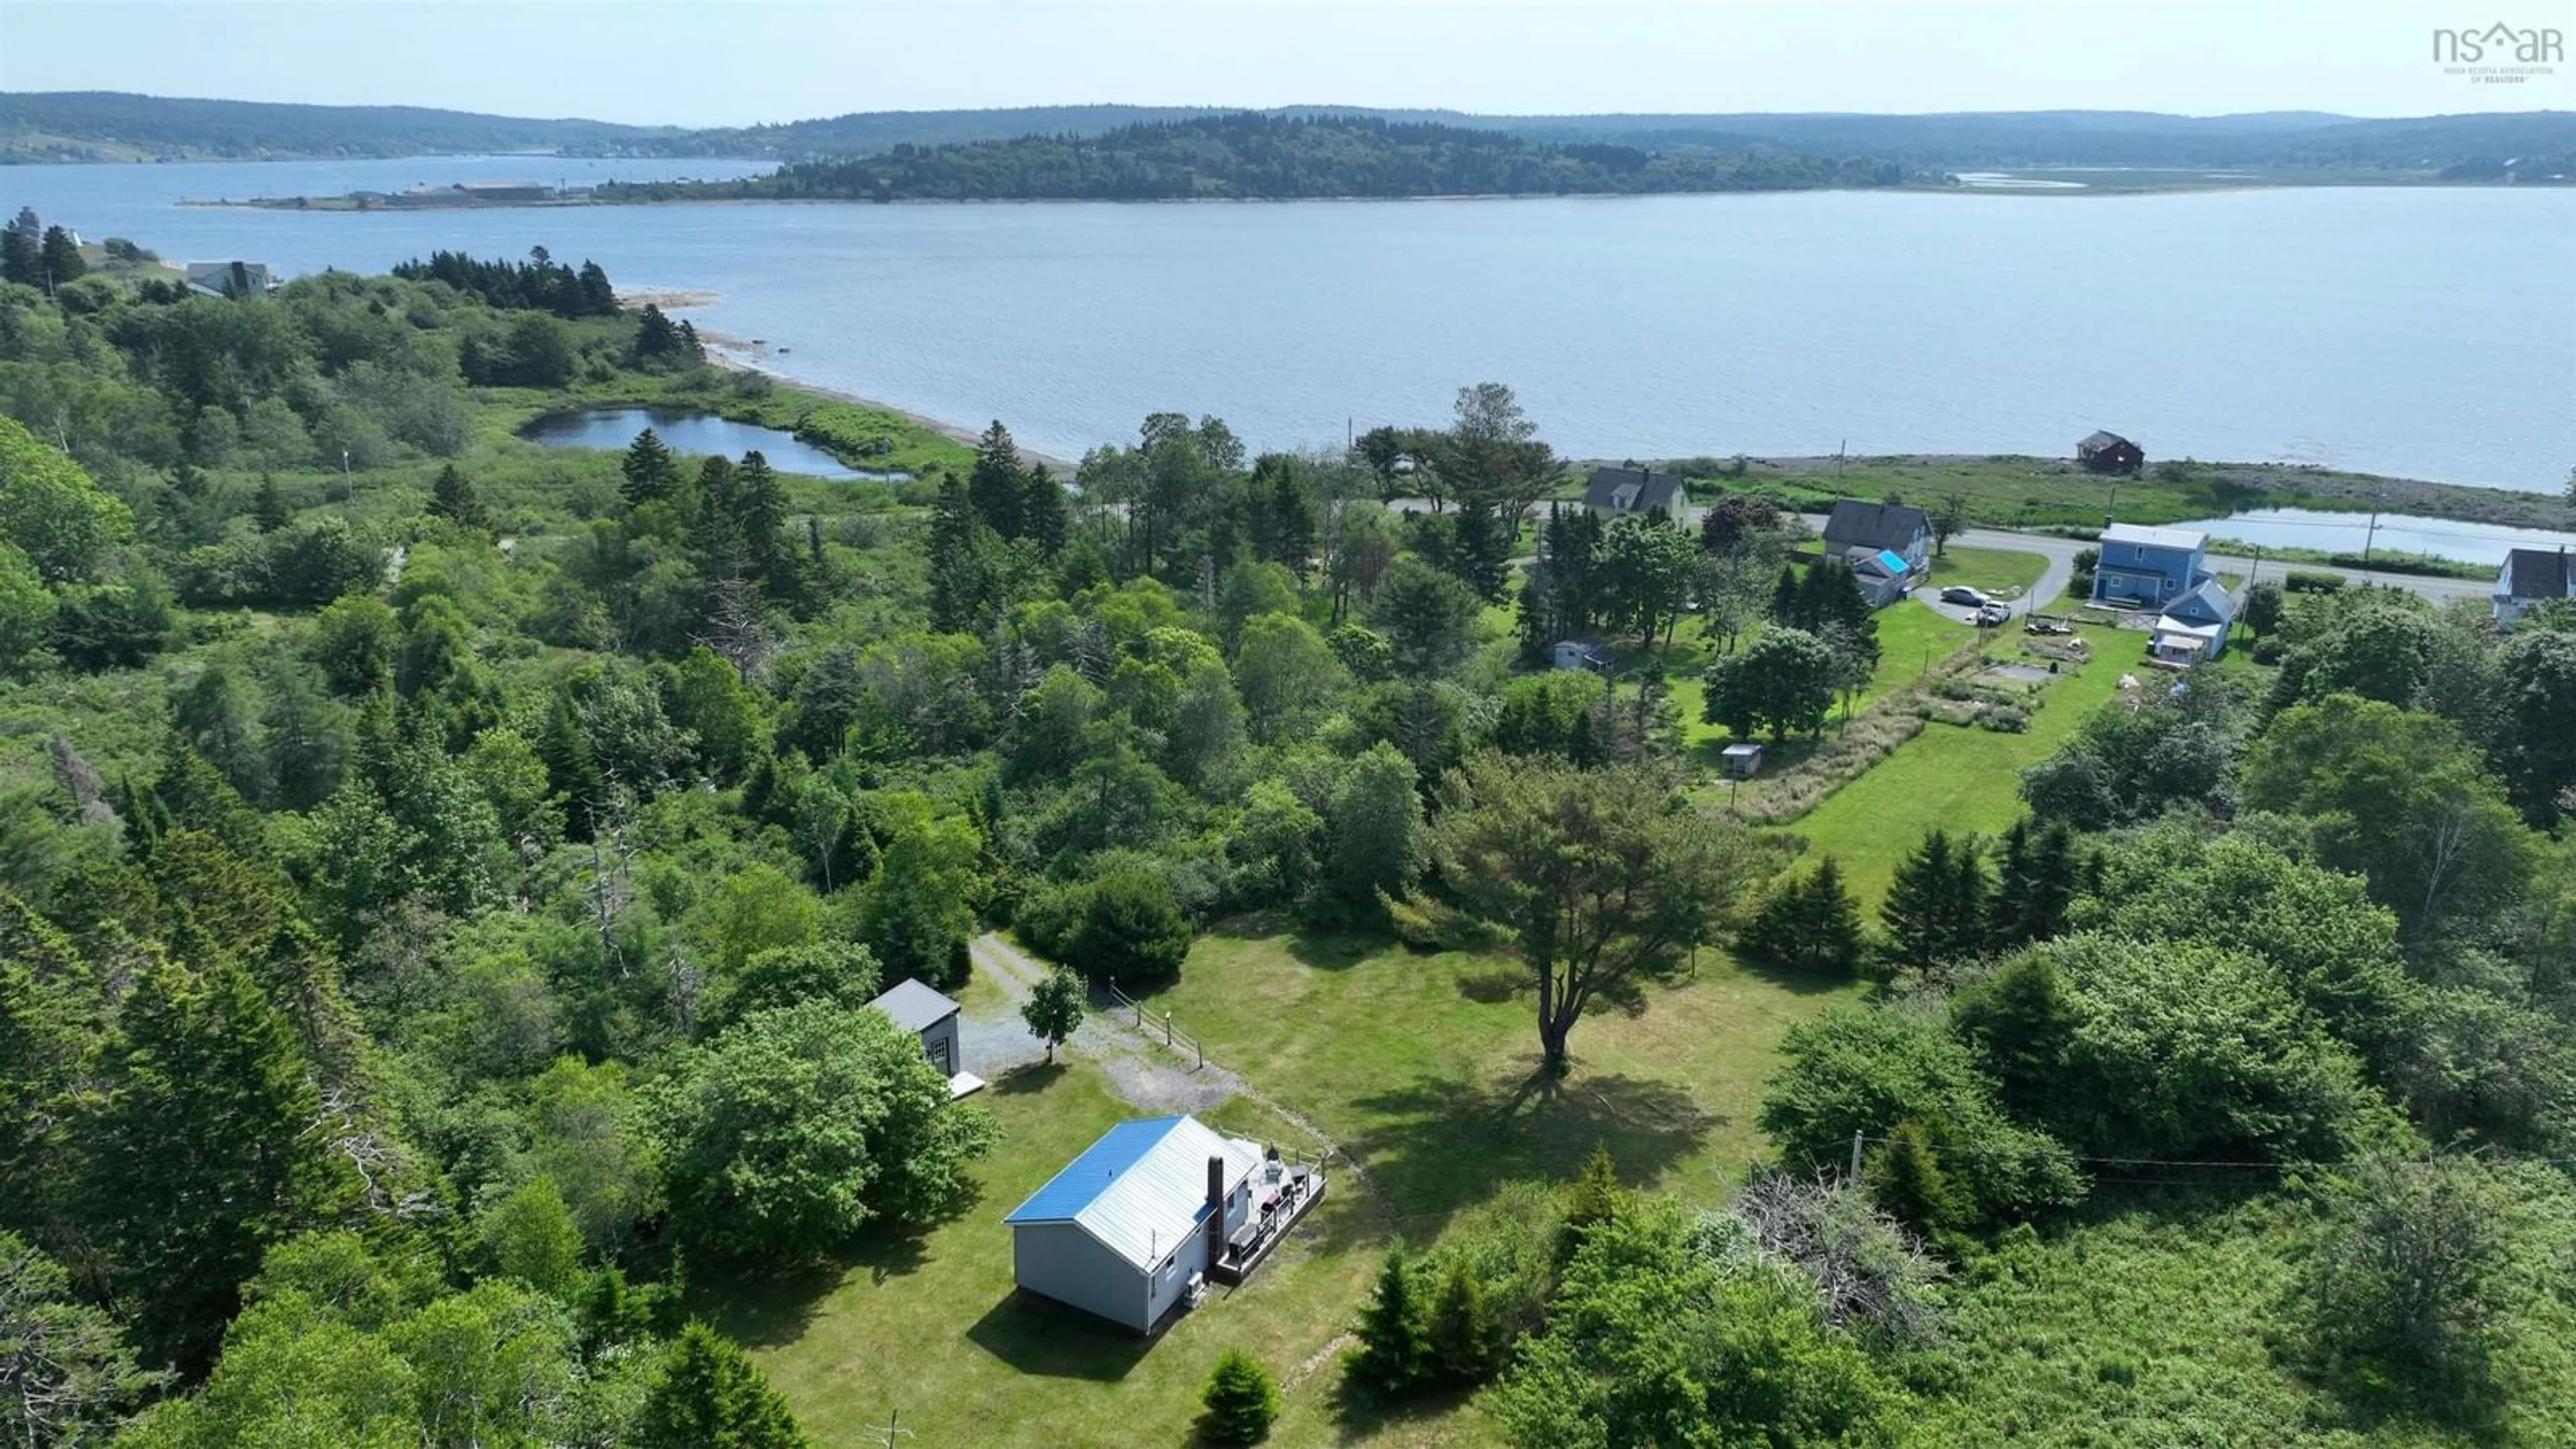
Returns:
(957,578)
(1046,517)
(1935,909)
(203,1154)
(656,340)
(651,472)
(2051,892)
(2012,885)
(453,498)
(1784,599)
(1460,1340)
(1906,1178)
(761,512)
(709,1395)
(1240,1399)
(996,485)
(1392,1350)
(19,260)
(1829,922)
(1595,1197)
(716,532)
(268,510)
(60,257)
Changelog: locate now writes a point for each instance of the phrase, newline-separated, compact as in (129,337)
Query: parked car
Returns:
(1992,616)
(1962,594)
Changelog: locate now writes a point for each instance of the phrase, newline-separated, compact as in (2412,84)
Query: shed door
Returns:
(938,1047)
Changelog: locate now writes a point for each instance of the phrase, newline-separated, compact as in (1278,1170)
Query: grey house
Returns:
(933,1018)
(1623,492)
(1881,527)
(1128,1229)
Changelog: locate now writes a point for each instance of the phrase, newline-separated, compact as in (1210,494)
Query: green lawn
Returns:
(1959,778)
(1422,1065)
(929,1324)
(1995,570)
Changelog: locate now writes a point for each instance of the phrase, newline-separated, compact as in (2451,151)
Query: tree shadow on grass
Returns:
(1036,1336)
(770,1307)
(1442,1143)
(1027,1077)
(1802,983)
(1309,945)
(1361,1412)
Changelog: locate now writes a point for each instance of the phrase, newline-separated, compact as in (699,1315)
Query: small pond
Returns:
(2399,534)
(694,434)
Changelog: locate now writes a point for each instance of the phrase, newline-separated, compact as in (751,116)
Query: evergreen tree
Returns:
(1393,1351)
(709,1395)
(2037,884)
(1810,923)
(598,298)
(1292,523)
(20,261)
(60,257)
(651,472)
(1594,1198)
(453,498)
(1936,906)
(1909,1184)
(1240,1399)
(958,585)
(996,486)
(2020,1022)
(761,513)
(656,340)
(1784,597)
(1046,517)
(204,1152)
(1460,1339)
(716,532)
(268,510)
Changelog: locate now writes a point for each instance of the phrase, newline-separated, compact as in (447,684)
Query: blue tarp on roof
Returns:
(1892,561)
(1086,1177)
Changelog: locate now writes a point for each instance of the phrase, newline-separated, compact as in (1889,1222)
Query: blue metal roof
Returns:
(1086,1177)
(1893,562)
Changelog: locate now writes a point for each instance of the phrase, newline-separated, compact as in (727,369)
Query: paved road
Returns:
(2060,553)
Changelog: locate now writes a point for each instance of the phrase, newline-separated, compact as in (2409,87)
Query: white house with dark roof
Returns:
(933,1018)
(1629,492)
(2530,577)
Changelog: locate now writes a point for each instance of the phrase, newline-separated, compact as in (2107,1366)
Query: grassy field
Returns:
(1958,778)
(1421,1066)
(1995,570)
(930,1326)
(2010,491)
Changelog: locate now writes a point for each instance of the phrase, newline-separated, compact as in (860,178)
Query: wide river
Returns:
(2427,332)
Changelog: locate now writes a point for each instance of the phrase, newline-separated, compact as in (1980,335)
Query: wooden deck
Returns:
(1253,1242)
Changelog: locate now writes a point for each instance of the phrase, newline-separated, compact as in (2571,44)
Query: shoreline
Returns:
(737,354)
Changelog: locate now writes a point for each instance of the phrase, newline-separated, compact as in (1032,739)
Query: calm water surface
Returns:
(691,434)
(2428,332)
(2397,534)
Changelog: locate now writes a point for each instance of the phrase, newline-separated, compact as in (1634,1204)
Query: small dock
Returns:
(1278,1204)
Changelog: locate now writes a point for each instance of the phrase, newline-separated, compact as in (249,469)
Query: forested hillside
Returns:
(1249,156)
(441,880)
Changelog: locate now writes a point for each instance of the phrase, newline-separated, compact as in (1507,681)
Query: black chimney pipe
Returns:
(1216,1211)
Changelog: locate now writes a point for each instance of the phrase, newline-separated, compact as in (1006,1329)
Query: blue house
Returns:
(2194,627)
(2149,568)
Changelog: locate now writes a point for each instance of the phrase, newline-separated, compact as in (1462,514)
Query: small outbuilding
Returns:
(2108,452)
(1740,761)
(1129,1230)
(2529,578)
(933,1018)
(1579,654)
(1883,577)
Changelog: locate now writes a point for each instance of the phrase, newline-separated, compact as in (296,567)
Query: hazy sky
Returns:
(736,61)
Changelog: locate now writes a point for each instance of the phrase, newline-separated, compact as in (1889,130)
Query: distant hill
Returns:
(1254,156)
(114,126)
(110,126)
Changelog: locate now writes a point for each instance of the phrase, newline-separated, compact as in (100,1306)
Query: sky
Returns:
(733,62)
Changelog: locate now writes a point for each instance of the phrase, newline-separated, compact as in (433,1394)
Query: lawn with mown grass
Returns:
(1424,1065)
(1959,778)
(2008,572)
(929,1324)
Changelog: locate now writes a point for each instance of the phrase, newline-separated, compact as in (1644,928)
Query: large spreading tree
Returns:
(1592,875)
